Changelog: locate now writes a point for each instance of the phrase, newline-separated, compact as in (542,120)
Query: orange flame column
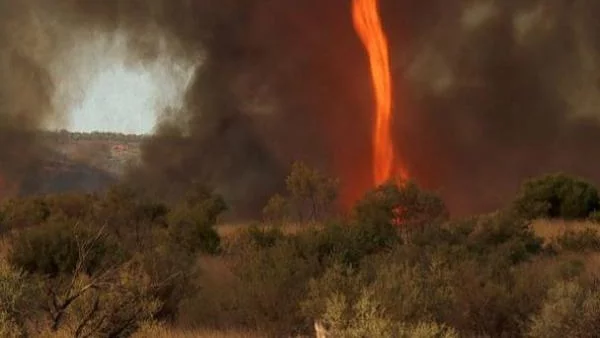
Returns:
(367,22)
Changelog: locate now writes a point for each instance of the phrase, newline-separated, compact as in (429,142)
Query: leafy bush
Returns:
(405,293)
(24,212)
(171,270)
(405,207)
(262,237)
(18,296)
(556,196)
(270,283)
(277,210)
(347,243)
(310,191)
(195,237)
(191,223)
(117,308)
(54,249)
(129,215)
(595,216)
(365,312)
(10,328)
(503,237)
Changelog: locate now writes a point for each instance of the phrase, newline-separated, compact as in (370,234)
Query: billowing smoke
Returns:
(25,90)
(487,92)
(499,91)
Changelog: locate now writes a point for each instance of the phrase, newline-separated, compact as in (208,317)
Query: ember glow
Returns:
(367,23)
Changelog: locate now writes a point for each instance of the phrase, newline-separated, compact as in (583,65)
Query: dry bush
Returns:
(570,310)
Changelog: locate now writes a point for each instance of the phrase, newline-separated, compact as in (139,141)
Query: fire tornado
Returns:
(367,23)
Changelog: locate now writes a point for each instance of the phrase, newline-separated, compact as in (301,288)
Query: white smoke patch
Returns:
(104,82)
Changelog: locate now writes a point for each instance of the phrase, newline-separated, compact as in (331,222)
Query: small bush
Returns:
(385,292)
(195,237)
(191,223)
(405,207)
(18,296)
(277,210)
(556,196)
(24,212)
(54,249)
(311,192)
(270,283)
(262,237)
(10,328)
(347,243)
(367,317)
(595,216)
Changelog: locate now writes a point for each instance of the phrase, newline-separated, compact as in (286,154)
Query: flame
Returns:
(367,23)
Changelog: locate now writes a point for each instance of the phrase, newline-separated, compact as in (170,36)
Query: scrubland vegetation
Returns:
(123,264)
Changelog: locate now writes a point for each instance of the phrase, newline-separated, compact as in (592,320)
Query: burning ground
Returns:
(485,93)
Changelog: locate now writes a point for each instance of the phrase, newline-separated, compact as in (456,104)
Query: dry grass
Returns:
(156,331)
(549,229)
(4,250)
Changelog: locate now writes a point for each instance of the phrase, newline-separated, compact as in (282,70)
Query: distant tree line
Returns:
(64,136)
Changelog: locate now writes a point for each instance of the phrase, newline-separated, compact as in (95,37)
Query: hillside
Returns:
(108,152)
(82,162)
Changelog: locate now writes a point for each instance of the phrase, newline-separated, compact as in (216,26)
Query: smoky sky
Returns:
(486,93)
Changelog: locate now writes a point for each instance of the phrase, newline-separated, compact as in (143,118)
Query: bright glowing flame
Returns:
(367,23)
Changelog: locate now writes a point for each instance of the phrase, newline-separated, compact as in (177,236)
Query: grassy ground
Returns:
(161,332)
(549,229)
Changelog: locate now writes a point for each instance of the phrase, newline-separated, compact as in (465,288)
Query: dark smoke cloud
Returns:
(511,108)
(25,91)
(487,93)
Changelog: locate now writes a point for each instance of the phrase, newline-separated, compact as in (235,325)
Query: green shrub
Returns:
(24,212)
(10,328)
(277,210)
(405,207)
(385,291)
(367,316)
(128,215)
(311,193)
(347,243)
(262,237)
(118,308)
(19,294)
(53,249)
(503,237)
(195,237)
(364,317)
(556,196)
(595,216)
(375,225)
(172,271)
(191,223)
(270,283)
